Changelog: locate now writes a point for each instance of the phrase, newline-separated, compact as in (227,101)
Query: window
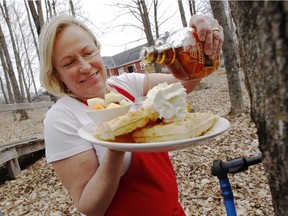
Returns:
(142,66)
(120,70)
(131,68)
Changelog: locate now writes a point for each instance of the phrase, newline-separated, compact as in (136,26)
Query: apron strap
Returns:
(123,92)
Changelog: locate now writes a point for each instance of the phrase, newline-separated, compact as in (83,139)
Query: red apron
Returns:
(149,188)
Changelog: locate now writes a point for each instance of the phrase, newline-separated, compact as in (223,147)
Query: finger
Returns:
(199,23)
(208,44)
(219,48)
(217,41)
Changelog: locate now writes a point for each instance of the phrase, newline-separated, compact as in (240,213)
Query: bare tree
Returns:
(8,85)
(36,14)
(203,7)
(54,7)
(26,54)
(3,90)
(230,56)
(144,14)
(32,31)
(6,60)
(263,42)
(39,22)
(72,7)
(142,8)
(192,7)
(155,5)
(182,13)
(22,82)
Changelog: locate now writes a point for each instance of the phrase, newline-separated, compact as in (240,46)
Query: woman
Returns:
(103,181)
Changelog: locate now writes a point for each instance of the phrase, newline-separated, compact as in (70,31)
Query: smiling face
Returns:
(78,63)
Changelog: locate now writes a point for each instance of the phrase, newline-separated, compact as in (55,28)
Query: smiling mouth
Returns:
(89,78)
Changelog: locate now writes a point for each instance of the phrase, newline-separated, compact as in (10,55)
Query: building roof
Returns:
(128,56)
(123,58)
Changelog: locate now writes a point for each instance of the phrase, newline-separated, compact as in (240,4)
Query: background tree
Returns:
(72,7)
(192,8)
(182,13)
(262,29)
(31,30)
(3,90)
(38,19)
(144,15)
(21,79)
(10,98)
(36,14)
(26,50)
(230,58)
(6,60)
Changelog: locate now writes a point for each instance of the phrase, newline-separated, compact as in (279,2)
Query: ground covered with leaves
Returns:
(37,191)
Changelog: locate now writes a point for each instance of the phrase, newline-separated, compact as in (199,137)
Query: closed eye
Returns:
(89,53)
(68,64)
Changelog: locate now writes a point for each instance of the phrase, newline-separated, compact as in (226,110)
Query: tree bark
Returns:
(37,17)
(230,55)
(155,6)
(146,22)
(10,71)
(263,40)
(32,31)
(6,75)
(72,7)
(5,12)
(182,13)
(3,90)
(27,55)
(19,67)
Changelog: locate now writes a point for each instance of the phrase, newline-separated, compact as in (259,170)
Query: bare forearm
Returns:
(169,78)
(100,190)
(190,85)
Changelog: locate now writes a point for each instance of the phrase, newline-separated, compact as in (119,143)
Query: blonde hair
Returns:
(48,75)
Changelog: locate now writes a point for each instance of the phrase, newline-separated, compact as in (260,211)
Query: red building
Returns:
(125,62)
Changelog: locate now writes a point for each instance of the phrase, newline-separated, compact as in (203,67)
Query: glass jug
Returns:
(182,53)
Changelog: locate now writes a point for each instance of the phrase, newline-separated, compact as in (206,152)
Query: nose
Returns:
(84,66)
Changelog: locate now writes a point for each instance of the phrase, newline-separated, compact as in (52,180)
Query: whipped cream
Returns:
(169,100)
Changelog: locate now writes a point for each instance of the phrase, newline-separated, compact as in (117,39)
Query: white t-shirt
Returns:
(67,115)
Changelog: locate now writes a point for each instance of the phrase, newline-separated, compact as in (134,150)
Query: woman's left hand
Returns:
(210,32)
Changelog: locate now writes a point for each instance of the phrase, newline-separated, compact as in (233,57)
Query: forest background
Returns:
(257,46)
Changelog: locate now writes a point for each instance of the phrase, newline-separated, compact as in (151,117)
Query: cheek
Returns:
(67,76)
(104,73)
(100,65)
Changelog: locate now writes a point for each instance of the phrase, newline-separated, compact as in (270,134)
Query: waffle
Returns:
(127,123)
(193,125)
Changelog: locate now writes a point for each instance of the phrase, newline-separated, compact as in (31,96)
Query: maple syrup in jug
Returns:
(183,55)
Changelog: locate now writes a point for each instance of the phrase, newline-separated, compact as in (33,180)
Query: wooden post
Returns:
(13,168)
(11,157)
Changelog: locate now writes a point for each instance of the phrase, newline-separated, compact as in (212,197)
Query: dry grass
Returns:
(37,191)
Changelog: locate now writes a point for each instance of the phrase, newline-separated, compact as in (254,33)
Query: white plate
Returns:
(87,131)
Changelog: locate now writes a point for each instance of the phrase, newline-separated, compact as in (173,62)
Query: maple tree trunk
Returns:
(230,56)
(263,40)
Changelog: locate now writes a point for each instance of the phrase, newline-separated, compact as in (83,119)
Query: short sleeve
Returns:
(61,126)
(131,82)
